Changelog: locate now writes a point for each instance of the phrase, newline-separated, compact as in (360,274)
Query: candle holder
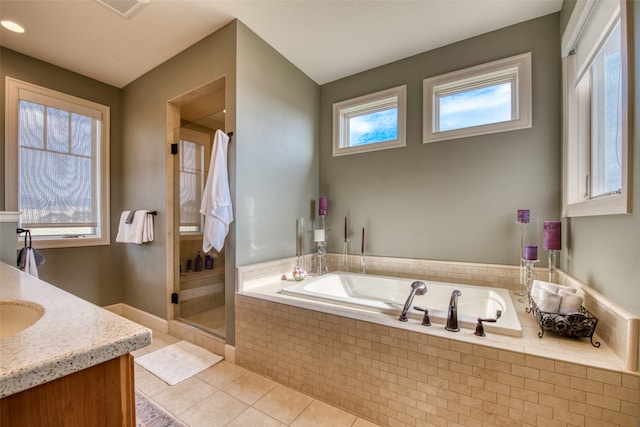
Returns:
(321,258)
(345,256)
(553,256)
(529,265)
(363,269)
(523,268)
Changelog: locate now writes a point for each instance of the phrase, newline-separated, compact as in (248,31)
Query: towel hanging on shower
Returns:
(216,200)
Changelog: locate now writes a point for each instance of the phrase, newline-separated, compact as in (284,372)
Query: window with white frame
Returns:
(57,165)
(195,149)
(376,121)
(596,119)
(487,98)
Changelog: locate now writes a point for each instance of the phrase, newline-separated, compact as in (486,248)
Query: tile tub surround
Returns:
(407,375)
(72,335)
(619,329)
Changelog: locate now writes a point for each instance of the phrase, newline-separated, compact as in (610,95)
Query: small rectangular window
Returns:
(488,98)
(371,122)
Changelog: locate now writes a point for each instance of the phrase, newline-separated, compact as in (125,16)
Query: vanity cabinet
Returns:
(101,395)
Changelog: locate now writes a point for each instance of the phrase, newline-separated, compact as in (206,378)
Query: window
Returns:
(488,98)
(57,165)
(595,86)
(195,149)
(370,122)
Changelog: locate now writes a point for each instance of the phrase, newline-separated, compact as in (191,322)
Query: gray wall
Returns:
(604,251)
(145,154)
(92,273)
(277,164)
(450,200)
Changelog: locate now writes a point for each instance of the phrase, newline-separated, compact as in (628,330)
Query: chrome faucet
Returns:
(452,317)
(417,288)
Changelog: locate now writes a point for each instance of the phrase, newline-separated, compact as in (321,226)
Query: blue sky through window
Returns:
(475,107)
(375,127)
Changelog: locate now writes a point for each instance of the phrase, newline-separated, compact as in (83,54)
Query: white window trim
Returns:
(518,66)
(342,109)
(576,139)
(12,96)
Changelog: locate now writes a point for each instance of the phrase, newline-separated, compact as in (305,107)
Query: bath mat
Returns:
(149,414)
(178,361)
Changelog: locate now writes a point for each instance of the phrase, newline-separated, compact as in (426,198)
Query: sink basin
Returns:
(16,316)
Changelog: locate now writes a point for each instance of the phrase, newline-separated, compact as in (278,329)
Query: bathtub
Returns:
(388,294)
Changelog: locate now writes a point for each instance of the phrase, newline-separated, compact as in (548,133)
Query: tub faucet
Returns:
(452,317)
(417,288)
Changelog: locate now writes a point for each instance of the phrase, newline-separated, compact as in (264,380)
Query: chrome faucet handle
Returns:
(480,328)
(426,321)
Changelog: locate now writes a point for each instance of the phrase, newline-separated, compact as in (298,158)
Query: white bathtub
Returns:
(388,295)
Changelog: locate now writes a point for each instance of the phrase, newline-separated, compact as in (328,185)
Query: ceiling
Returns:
(326,39)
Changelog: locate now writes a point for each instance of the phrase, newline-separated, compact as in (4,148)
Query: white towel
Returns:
(570,303)
(547,301)
(139,231)
(216,200)
(551,287)
(30,266)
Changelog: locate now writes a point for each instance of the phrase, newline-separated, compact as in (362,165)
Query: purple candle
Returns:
(523,216)
(530,252)
(362,249)
(323,206)
(552,235)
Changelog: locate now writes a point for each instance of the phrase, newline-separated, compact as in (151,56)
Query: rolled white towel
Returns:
(570,302)
(547,301)
(566,289)
(546,286)
(551,287)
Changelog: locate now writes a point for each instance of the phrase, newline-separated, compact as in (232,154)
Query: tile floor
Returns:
(231,396)
(211,320)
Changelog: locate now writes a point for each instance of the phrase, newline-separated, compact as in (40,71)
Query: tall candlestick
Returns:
(345,228)
(362,261)
(552,235)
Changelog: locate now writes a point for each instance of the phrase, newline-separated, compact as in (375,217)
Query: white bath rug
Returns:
(178,361)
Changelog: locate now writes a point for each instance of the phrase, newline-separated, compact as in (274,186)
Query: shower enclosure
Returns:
(199,285)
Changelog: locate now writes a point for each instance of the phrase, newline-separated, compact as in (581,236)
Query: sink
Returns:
(17,315)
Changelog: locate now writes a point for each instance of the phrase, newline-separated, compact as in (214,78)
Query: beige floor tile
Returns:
(320,414)
(148,383)
(249,387)
(213,411)
(283,403)
(221,374)
(364,423)
(184,395)
(254,418)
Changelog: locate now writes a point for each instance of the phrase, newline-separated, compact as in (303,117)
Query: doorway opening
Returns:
(199,278)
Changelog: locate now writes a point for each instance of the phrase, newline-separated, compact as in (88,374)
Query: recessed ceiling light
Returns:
(12,26)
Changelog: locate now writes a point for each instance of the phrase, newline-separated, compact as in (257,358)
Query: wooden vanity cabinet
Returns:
(101,395)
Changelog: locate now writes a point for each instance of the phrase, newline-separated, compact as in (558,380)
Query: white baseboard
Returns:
(136,315)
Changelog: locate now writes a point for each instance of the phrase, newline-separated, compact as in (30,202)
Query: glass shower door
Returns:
(201,286)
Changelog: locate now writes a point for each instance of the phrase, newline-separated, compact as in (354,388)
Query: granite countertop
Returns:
(72,335)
